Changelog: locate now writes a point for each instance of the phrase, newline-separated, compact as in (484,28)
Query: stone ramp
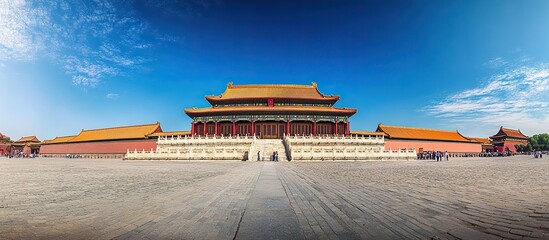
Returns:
(269,214)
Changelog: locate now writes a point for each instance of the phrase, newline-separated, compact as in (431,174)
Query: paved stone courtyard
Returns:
(470,198)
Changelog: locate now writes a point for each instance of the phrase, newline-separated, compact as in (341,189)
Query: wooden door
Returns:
(268,130)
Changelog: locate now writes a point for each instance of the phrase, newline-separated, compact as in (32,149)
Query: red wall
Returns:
(510,145)
(452,147)
(98,147)
(3,148)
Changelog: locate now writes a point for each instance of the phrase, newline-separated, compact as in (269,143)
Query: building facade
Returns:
(26,145)
(5,144)
(105,142)
(506,139)
(428,140)
(486,143)
(270,111)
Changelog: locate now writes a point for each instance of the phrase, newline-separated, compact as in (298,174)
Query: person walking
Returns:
(446,155)
(258,156)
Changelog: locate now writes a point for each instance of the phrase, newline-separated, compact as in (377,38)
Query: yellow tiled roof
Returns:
(510,133)
(115,133)
(28,139)
(421,133)
(63,139)
(275,91)
(237,109)
(480,140)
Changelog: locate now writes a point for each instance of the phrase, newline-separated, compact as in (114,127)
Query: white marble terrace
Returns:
(298,148)
(197,148)
(353,147)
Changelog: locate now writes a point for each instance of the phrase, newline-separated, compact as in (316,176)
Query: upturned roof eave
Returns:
(212,99)
(212,111)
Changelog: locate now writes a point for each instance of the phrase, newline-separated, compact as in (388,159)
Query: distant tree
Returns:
(520,148)
(528,148)
(539,141)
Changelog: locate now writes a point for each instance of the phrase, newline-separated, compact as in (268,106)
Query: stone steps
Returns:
(266,147)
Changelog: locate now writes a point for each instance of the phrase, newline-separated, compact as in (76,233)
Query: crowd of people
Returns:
(20,155)
(434,155)
(33,155)
(439,156)
(274,157)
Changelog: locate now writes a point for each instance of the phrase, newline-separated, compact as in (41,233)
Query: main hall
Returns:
(271,111)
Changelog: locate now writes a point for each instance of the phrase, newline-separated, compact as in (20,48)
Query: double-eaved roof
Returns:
(506,132)
(271,91)
(105,134)
(269,110)
(28,139)
(304,98)
(399,132)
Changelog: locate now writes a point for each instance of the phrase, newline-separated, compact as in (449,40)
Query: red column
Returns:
(335,131)
(204,128)
(192,128)
(287,129)
(348,128)
(216,131)
(234,128)
(314,128)
(253,127)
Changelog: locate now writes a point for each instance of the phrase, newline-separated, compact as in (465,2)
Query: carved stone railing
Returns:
(326,147)
(335,139)
(205,140)
(197,148)
(334,147)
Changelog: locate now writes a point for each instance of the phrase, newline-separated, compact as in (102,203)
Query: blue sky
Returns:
(466,65)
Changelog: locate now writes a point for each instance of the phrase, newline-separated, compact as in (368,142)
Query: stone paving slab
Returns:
(268,214)
(469,198)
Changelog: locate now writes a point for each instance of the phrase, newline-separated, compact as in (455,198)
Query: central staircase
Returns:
(266,147)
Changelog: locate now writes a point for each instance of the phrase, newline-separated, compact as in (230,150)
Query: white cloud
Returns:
(517,98)
(92,40)
(113,96)
(496,62)
(16,18)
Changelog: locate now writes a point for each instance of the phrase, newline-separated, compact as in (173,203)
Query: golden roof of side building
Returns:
(63,139)
(274,91)
(400,132)
(117,133)
(169,134)
(481,140)
(510,133)
(291,109)
(27,139)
